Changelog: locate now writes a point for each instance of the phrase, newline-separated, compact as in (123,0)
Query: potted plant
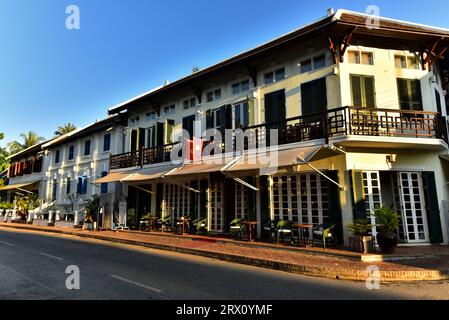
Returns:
(92,208)
(387,223)
(361,239)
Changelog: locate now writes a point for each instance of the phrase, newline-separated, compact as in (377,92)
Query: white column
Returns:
(50,215)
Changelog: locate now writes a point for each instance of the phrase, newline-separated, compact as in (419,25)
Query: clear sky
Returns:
(50,75)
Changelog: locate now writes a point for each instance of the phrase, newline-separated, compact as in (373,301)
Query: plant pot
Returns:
(388,242)
(362,244)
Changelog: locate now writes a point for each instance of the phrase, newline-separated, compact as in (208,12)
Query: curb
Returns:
(315,271)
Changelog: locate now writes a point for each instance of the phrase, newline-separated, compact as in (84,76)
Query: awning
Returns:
(18,186)
(282,158)
(197,168)
(114,177)
(148,174)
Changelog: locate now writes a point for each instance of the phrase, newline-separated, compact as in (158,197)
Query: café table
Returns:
(182,223)
(303,232)
(249,229)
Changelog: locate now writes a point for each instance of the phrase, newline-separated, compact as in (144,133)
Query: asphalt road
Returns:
(33,266)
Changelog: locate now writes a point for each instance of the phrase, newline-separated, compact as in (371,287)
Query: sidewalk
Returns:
(336,264)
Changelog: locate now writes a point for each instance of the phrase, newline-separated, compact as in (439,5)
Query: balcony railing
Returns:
(332,123)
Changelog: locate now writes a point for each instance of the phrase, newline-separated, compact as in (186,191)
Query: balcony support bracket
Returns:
(339,45)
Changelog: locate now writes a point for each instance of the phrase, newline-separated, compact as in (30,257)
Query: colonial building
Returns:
(360,112)
(75,161)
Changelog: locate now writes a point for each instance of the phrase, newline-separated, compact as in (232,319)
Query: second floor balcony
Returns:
(334,123)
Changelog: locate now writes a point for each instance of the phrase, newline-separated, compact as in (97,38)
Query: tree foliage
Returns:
(62,130)
(29,139)
(3,156)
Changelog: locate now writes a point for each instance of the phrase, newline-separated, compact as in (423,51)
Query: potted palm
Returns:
(92,208)
(387,223)
(361,239)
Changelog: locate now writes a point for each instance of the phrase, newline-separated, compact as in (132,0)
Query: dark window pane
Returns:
(245,85)
(268,78)
(87,148)
(236,88)
(280,74)
(369,92)
(319,62)
(356,91)
(306,66)
(107,142)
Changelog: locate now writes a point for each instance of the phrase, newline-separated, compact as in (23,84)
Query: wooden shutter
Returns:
(209,119)
(356,89)
(141,142)
(358,197)
(432,208)
(159,198)
(369,92)
(334,206)
(264,199)
(169,131)
(314,96)
(204,185)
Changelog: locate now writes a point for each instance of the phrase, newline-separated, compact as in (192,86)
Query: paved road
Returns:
(33,265)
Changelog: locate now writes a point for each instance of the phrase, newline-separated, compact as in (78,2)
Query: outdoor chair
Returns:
(120,227)
(324,234)
(269,229)
(199,226)
(284,227)
(164,222)
(236,228)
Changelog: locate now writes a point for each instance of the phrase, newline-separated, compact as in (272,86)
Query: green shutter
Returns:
(432,208)
(204,184)
(356,91)
(159,199)
(264,199)
(251,204)
(358,197)
(334,206)
(369,92)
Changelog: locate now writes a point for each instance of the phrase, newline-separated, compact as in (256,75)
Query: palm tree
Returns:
(62,130)
(30,139)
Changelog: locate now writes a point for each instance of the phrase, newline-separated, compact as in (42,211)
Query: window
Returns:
(357,57)
(410,94)
(313,63)
(87,148)
(241,115)
(69,185)
(314,97)
(413,62)
(354,57)
(306,65)
(82,185)
(151,116)
(104,186)
(213,95)
(57,156)
(274,76)
(107,142)
(319,62)
(240,87)
(54,191)
(169,110)
(71,152)
(362,88)
(367,58)
(189,103)
(400,62)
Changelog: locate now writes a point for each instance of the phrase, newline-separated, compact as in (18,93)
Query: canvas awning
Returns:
(280,159)
(114,177)
(18,186)
(197,168)
(148,174)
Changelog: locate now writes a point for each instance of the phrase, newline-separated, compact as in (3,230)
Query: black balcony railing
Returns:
(332,123)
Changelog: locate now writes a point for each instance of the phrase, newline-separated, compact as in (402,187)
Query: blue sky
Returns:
(50,76)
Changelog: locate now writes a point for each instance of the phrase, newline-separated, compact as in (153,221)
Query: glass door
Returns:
(412,209)
(373,195)
(217,203)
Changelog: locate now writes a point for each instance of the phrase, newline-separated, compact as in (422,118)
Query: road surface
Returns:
(33,266)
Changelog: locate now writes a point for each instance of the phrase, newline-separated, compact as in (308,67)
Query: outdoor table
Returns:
(303,232)
(182,223)
(249,226)
(152,223)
